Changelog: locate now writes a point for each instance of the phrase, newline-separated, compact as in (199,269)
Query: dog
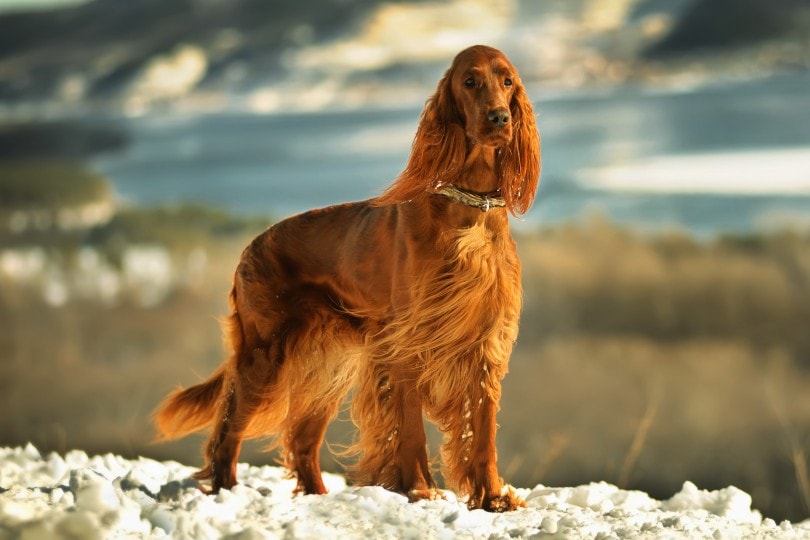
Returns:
(411,299)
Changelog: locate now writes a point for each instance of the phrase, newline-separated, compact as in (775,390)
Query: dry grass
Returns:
(646,361)
(802,477)
(712,423)
(639,441)
(657,357)
(598,279)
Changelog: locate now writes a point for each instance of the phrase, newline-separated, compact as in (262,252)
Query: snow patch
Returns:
(79,496)
(408,32)
(756,172)
(146,273)
(395,34)
(166,77)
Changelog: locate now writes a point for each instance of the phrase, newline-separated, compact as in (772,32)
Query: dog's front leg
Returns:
(487,488)
(388,410)
(417,482)
(466,415)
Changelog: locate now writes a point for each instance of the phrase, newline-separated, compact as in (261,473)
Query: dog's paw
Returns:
(507,501)
(429,494)
(210,482)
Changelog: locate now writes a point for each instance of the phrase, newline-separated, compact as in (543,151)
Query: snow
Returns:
(78,496)
(146,273)
(171,75)
(738,173)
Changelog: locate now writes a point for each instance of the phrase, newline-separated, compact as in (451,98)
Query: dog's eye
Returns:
(507,82)
(469,83)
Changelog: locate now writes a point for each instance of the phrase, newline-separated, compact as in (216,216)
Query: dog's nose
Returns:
(498,117)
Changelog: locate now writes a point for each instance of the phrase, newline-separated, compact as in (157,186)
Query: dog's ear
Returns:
(438,151)
(520,160)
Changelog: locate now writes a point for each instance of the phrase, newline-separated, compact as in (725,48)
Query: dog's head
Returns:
(481,91)
(479,101)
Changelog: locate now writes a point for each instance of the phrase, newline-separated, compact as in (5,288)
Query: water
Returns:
(278,165)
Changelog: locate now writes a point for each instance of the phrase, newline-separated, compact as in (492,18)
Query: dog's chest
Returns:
(480,277)
(482,254)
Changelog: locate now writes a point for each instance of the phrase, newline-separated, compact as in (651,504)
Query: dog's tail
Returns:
(187,410)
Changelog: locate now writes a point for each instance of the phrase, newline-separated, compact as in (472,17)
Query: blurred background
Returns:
(666,261)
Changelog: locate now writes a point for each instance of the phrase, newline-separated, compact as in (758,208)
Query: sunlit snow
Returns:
(77,496)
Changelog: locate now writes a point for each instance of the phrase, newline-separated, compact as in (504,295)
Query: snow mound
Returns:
(77,496)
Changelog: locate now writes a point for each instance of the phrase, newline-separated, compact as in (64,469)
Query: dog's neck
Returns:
(479,174)
(476,191)
(482,201)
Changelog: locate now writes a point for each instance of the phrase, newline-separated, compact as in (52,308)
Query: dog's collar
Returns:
(483,201)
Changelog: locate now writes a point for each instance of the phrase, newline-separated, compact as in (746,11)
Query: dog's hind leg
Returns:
(249,379)
(320,370)
(222,449)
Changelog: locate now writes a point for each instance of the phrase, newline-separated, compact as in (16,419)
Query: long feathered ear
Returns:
(438,150)
(520,161)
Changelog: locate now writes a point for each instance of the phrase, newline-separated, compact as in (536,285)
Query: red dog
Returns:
(412,298)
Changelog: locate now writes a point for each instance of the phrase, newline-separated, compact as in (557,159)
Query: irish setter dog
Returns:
(411,299)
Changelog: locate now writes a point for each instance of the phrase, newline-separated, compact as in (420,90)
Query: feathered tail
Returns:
(187,410)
